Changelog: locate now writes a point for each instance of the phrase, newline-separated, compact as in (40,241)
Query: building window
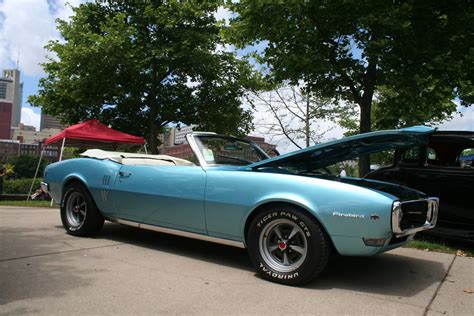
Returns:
(3,90)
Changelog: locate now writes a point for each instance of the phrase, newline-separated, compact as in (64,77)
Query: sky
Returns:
(27,25)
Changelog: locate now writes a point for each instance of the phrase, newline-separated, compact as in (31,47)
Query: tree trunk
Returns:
(153,104)
(153,129)
(365,126)
(366,111)
(307,130)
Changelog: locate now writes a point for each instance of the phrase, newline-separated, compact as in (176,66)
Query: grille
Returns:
(414,214)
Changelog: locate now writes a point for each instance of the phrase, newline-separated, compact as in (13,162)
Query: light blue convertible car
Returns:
(287,211)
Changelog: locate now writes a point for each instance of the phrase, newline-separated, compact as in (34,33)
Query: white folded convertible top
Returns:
(136,159)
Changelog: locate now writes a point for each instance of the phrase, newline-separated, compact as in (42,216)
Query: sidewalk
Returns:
(130,271)
(455,295)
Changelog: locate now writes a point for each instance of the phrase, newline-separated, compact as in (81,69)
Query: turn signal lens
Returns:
(379,242)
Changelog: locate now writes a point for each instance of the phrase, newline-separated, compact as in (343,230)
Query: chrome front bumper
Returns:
(431,218)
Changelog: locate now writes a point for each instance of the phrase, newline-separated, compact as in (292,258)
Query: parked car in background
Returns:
(443,167)
(287,211)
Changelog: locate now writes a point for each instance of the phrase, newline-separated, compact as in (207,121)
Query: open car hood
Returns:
(326,154)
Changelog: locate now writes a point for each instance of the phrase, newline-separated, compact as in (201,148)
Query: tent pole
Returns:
(60,159)
(62,149)
(36,173)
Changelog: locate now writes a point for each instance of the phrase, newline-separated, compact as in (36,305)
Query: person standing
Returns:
(343,172)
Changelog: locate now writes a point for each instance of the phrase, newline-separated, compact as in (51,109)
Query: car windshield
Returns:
(223,150)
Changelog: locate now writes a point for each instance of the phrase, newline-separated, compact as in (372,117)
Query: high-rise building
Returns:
(5,119)
(11,90)
(49,121)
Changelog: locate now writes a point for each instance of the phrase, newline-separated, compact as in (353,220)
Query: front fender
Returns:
(281,197)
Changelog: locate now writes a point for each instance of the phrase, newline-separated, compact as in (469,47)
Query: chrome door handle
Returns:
(125,174)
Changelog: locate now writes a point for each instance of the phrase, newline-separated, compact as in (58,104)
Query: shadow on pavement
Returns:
(45,275)
(181,246)
(388,273)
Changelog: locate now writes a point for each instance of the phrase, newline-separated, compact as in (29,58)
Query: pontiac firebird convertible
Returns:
(287,211)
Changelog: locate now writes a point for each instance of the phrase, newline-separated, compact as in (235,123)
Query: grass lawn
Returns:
(28,203)
(440,244)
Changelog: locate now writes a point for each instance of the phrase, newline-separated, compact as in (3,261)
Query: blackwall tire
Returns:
(79,214)
(287,246)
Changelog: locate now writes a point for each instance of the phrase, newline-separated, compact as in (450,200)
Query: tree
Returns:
(416,55)
(140,65)
(25,166)
(292,114)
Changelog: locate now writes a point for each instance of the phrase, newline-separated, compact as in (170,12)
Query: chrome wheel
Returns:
(76,209)
(283,245)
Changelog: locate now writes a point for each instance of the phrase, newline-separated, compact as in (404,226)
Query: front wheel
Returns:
(79,214)
(287,246)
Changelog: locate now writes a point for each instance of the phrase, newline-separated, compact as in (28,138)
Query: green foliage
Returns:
(332,44)
(348,166)
(25,166)
(29,203)
(411,107)
(20,186)
(440,244)
(140,65)
(9,170)
(413,56)
(383,158)
(467,152)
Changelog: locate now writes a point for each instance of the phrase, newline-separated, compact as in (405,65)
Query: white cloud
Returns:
(223,14)
(29,117)
(461,121)
(264,118)
(25,28)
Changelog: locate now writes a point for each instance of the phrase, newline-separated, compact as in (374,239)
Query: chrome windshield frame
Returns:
(191,138)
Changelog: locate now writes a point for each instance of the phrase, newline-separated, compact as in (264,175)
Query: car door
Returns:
(168,196)
(422,169)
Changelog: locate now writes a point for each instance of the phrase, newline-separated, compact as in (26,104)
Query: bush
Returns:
(20,186)
(25,166)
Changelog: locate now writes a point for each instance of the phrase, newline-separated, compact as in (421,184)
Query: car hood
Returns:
(329,153)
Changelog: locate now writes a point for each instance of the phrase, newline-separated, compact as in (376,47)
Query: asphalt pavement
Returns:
(126,271)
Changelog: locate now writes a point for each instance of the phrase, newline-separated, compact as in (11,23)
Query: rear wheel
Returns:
(79,214)
(287,246)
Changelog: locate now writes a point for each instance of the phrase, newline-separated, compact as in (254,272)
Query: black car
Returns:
(443,168)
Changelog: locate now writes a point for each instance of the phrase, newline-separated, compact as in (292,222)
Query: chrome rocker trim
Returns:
(176,232)
(431,218)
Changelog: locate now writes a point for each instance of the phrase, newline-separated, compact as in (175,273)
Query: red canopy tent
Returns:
(88,133)
(93,131)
